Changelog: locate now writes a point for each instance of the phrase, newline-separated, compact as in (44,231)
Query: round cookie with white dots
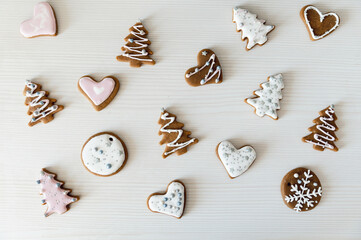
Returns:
(104,154)
(301,189)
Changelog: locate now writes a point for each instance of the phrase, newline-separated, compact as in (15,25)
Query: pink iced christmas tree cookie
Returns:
(56,198)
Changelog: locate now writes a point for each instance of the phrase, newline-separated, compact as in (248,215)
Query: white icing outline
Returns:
(174,143)
(322,17)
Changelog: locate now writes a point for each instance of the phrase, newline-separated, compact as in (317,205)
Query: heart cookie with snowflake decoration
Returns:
(319,25)
(301,189)
(207,71)
(171,203)
(235,161)
(43,22)
(100,94)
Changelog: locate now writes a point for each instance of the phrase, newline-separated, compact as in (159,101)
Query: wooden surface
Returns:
(250,207)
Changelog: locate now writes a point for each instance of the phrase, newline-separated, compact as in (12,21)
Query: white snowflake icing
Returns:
(302,194)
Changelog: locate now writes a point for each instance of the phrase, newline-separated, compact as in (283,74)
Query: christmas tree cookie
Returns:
(267,99)
(252,28)
(55,197)
(136,50)
(176,139)
(322,134)
(41,107)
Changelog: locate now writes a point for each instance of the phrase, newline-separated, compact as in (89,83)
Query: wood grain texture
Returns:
(316,75)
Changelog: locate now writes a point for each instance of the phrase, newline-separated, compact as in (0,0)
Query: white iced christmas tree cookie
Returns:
(267,99)
(255,30)
(171,202)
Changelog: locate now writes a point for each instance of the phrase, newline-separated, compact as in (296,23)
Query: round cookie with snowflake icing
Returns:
(104,154)
(301,189)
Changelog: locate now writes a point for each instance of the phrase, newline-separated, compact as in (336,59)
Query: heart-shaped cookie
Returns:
(236,161)
(171,202)
(208,70)
(100,94)
(319,25)
(43,22)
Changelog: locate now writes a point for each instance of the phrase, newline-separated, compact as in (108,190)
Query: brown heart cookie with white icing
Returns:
(208,70)
(301,189)
(319,25)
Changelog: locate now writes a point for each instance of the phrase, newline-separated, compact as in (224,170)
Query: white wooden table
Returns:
(250,207)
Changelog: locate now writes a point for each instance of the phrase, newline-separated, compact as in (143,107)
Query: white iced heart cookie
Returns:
(104,154)
(236,161)
(170,203)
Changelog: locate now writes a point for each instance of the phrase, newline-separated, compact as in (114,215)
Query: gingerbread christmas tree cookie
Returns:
(55,197)
(267,99)
(41,107)
(136,50)
(322,134)
(176,139)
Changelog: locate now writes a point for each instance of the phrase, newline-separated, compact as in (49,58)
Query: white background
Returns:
(249,207)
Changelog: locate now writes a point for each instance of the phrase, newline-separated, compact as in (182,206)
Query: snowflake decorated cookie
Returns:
(207,71)
(43,22)
(174,137)
(41,107)
(101,93)
(319,25)
(322,134)
(267,99)
(171,203)
(301,189)
(136,50)
(55,197)
(236,161)
(253,29)
(104,154)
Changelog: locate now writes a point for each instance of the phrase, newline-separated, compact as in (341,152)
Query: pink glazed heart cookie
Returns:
(43,23)
(100,94)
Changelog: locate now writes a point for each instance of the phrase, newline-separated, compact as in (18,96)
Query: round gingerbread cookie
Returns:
(104,154)
(301,189)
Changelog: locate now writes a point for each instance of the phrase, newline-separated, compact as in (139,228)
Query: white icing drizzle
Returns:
(253,29)
(211,73)
(324,128)
(42,111)
(322,17)
(174,143)
(140,44)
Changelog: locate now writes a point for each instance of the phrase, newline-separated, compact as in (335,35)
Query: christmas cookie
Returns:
(267,99)
(104,154)
(43,22)
(55,197)
(322,134)
(319,25)
(100,94)
(171,202)
(252,28)
(208,70)
(136,50)
(176,139)
(41,107)
(235,161)
(301,189)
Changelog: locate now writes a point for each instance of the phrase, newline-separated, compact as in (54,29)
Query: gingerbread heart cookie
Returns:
(235,161)
(100,94)
(43,22)
(319,25)
(208,70)
(171,202)
(301,189)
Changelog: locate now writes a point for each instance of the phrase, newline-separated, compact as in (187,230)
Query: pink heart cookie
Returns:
(100,94)
(43,23)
